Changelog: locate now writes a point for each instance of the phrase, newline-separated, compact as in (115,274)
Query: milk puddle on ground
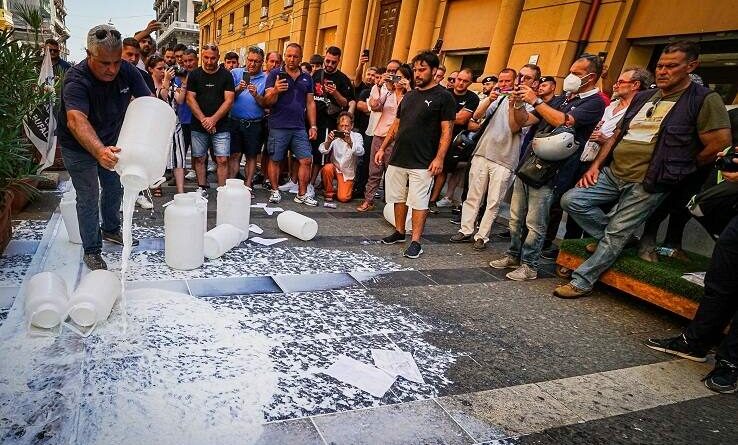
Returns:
(182,373)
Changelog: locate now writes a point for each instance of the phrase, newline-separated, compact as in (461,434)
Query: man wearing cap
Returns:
(488,84)
(95,97)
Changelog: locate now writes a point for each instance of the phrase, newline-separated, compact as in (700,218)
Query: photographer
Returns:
(345,148)
(663,136)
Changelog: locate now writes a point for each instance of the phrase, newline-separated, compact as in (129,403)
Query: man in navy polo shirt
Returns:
(247,113)
(95,97)
(289,93)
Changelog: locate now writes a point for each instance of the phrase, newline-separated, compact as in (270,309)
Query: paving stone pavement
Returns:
(503,362)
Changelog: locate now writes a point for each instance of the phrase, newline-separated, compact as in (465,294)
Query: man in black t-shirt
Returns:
(210,95)
(333,94)
(95,98)
(466,103)
(422,135)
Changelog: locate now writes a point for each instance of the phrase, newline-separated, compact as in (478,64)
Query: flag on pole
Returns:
(40,124)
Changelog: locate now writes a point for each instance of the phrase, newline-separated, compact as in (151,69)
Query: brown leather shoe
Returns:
(591,247)
(365,207)
(569,291)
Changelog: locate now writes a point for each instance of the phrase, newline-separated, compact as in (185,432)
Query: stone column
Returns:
(425,21)
(503,35)
(404,32)
(354,33)
(343,18)
(311,29)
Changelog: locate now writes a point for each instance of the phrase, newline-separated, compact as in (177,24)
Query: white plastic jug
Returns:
(389,215)
(299,226)
(202,206)
(93,300)
(221,239)
(144,142)
(68,208)
(183,233)
(234,205)
(46,300)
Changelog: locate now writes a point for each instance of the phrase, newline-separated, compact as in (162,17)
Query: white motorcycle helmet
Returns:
(556,145)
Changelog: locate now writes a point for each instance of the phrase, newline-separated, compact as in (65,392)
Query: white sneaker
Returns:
(275,197)
(306,199)
(444,202)
(506,262)
(191,175)
(287,186)
(311,191)
(523,273)
(144,202)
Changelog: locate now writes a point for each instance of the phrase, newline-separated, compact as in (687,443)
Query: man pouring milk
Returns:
(95,96)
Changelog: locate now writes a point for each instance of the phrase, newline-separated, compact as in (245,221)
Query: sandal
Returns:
(365,207)
(157,192)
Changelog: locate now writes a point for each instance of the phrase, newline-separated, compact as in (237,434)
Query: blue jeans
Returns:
(633,205)
(529,206)
(85,173)
(221,143)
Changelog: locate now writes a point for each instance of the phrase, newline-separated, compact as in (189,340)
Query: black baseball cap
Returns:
(488,79)
(548,79)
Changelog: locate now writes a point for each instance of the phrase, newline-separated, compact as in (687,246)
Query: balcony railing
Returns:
(179,26)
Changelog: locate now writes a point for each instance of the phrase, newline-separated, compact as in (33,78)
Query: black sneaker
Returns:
(116,238)
(94,261)
(455,219)
(677,346)
(433,208)
(722,378)
(479,244)
(396,237)
(503,235)
(413,250)
(550,253)
(460,238)
(456,210)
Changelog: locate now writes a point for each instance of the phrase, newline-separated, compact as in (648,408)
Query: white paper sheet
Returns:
(697,278)
(397,363)
(267,241)
(365,377)
(270,210)
(256,229)
(259,205)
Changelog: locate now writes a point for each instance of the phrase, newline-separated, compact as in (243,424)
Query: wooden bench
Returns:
(658,283)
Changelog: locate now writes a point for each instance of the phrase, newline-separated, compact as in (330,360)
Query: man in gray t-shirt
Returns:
(496,157)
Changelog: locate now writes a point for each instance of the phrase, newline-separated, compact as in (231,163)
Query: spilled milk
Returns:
(129,203)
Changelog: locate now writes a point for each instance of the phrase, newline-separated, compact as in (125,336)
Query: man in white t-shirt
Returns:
(496,156)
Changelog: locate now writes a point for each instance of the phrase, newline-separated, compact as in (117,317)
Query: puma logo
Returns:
(428,102)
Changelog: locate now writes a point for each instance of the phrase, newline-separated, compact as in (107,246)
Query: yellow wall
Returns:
(669,17)
(459,34)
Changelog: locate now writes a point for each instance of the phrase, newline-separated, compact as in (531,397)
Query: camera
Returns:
(395,78)
(727,163)
(338,134)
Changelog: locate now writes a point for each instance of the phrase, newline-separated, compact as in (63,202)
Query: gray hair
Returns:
(642,75)
(110,41)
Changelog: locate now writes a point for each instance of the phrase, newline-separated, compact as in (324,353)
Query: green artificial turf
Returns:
(666,274)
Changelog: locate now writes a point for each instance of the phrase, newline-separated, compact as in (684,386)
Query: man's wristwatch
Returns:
(475,120)
(537,102)
(313,127)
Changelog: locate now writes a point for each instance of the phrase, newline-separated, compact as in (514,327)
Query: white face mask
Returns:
(572,83)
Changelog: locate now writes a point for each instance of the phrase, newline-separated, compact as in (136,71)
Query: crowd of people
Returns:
(612,164)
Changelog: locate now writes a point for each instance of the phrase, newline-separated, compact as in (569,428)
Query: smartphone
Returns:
(246,78)
(330,82)
(339,134)
(282,75)
(395,78)
(437,47)
(365,53)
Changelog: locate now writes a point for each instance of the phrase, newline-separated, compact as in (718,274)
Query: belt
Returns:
(250,121)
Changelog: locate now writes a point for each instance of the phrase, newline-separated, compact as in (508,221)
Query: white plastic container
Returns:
(46,300)
(221,239)
(183,233)
(389,215)
(93,300)
(202,206)
(68,208)
(234,205)
(299,226)
(144,142)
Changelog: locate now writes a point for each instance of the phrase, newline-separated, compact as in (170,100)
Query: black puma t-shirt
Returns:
(421,113)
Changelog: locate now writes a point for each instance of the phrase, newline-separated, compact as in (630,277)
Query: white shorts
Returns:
(411,186)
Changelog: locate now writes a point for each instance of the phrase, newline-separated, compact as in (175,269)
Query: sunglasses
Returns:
(210,46)
(101,34)
(654,104)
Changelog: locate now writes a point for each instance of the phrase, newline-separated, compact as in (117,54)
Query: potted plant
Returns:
(19,95)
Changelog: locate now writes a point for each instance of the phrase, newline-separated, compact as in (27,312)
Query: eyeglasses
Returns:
(619,81)
(654,104)
(101,34)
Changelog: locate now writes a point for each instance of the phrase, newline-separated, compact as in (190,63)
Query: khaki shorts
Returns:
(411,186)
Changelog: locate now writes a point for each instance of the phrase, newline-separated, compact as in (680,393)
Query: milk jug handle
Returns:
(35,331)
(167,204)
(74,327)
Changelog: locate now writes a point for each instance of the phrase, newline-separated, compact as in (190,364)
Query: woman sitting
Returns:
(345,147)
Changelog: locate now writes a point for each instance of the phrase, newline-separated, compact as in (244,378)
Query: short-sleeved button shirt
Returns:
(245,106)
(289,110)
(104,103)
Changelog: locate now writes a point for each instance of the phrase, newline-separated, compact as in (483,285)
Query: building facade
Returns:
(54,25)
(6,17)
(487,35)
(178,17)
